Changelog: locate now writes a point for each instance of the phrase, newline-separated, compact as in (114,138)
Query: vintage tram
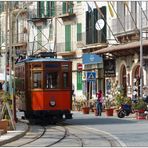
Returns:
(44,88)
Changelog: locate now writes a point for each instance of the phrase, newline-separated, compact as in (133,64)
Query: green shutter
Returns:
(71,7)
(64,7)
(48,8)
(79,32)
(79,80)
(52,8)
(42,9)
(68,38)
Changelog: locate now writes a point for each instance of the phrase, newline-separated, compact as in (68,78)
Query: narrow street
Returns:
(128,131)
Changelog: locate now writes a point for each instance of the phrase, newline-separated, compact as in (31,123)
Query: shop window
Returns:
(37,80)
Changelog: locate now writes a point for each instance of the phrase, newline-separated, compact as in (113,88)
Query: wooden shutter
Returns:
(79,80)
(103,31)
(79,32)
(64,7)
(68,38)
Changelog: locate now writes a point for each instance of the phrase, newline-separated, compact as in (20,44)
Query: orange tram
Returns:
(44,88)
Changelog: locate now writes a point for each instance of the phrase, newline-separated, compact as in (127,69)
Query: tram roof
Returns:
(47,59)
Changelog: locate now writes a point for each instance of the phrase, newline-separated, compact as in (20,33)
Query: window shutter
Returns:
(64,7)
(79,80)
(79,32)
(42,8)
(103,31)
(68,38)
(52,8)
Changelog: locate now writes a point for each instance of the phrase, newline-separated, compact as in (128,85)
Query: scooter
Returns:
(124,110)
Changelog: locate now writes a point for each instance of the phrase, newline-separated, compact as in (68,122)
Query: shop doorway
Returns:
(123,79)
(136,79)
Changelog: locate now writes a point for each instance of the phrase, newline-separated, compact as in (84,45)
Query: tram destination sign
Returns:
(110,67)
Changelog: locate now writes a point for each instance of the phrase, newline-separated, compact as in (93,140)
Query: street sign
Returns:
(91,76)
(79,66)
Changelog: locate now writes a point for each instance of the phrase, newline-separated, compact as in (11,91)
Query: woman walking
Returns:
(99,102)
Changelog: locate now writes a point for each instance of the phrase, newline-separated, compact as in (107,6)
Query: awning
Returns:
(123,49)
(66,54)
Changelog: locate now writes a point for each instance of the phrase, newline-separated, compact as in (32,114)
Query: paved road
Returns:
(129,131)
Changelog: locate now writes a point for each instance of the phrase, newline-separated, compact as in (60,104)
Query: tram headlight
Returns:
(52,103)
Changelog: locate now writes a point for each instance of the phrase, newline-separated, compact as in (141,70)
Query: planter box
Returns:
(109,112)
(85,110)
(4,125)
(140,114)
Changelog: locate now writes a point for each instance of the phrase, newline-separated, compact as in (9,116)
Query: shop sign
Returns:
(91,58)
(109,67)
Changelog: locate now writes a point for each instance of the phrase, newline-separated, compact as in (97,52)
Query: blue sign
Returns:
(90,58)
(91,76)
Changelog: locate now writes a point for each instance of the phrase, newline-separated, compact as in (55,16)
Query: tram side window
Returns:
(52,80)
(37,80)
(65,79)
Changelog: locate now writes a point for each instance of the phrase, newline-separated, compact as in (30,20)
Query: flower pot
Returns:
(109,112)
(4,125)
(140,114)
(85,110)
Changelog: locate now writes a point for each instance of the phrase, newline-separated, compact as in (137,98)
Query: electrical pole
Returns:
(6,46)
(55,34)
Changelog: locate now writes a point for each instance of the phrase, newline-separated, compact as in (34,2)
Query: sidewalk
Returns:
(21,129)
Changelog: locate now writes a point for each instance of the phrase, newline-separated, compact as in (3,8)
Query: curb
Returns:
(13,138)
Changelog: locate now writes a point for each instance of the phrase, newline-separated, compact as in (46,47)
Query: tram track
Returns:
(64,135)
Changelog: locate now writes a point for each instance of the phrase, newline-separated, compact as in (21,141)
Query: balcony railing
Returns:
(19,38)
(41,13)
(128,23)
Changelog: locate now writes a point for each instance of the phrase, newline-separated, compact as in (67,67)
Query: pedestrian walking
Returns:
(99,102)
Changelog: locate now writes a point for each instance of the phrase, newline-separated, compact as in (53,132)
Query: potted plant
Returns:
(85,107)
(5,119)
(109,106)
(139,109)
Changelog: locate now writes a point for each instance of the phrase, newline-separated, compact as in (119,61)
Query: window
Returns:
(40,9)
(67,7)
(50,8)
(52,80)
(79,32)
(68,38)
(79,80)
(37,80)
(65,78)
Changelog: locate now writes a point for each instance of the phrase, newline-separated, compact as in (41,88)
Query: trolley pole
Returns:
(141,54)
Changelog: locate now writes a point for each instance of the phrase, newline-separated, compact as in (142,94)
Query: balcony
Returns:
(67,13)
(19,39)
(130,27)
(39,15)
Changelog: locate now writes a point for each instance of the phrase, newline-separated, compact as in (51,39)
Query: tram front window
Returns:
(37,80)
(52,80)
